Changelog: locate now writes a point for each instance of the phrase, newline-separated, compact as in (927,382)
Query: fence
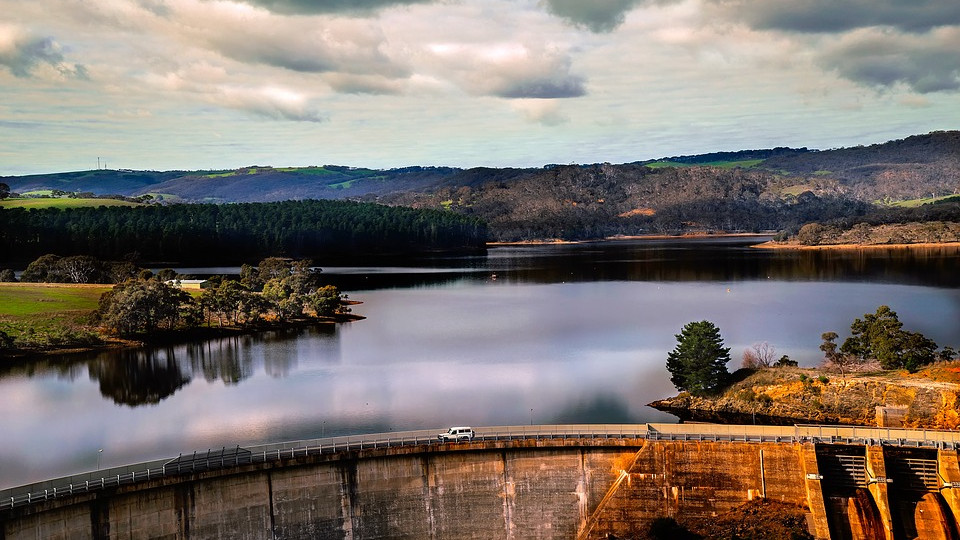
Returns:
(235,456)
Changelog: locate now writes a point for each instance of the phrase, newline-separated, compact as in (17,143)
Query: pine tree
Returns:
(699,362)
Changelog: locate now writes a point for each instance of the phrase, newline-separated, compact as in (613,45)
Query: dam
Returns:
(557,481)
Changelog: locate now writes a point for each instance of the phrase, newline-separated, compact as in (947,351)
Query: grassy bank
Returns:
(41,316)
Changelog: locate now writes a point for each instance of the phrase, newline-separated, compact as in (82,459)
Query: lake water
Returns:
(525,334)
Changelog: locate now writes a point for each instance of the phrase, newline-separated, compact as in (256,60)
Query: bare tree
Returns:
(80,268)
(759,355)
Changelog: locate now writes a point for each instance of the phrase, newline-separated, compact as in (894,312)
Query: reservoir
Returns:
(566,333)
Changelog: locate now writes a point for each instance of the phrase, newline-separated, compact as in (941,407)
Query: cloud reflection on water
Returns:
(467,351)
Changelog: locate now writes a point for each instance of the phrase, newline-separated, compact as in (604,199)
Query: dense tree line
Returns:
(207,233)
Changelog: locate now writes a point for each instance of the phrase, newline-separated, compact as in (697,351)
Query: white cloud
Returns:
(211,85)
(508,70)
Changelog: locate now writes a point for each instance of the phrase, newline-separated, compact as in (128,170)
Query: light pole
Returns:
(322,425)
(99,453)
(531,417)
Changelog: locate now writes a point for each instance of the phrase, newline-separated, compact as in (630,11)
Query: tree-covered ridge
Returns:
(208,233)
(752,190)
(586,202)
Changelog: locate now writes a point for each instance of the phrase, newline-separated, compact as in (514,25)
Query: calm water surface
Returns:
(542,334)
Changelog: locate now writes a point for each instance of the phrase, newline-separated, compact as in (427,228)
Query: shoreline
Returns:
(173,337)
(850,247)
(684,236)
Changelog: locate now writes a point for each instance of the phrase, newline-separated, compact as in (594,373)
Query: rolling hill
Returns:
(747,190)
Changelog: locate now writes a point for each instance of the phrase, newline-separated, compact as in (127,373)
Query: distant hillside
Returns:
(101,182)
(249,184)
(737,191)
(578,202)
(910,168)
(749,190)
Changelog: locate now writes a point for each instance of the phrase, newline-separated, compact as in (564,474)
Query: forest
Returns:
(232,233)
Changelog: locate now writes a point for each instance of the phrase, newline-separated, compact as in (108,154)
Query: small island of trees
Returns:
(147,306)
(277,290)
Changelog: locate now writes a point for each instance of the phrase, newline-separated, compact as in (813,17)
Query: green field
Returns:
(49,316)
(28,299)
(311,171)
(664,164)
(63,203)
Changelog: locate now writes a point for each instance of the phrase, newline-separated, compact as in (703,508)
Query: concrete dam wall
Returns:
(547,488)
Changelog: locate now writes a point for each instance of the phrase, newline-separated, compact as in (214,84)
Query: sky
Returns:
(215,84)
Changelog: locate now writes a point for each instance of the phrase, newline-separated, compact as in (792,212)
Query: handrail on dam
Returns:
(236,455)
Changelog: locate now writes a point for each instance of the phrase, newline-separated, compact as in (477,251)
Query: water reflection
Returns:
(574,333)
(729,259)
(613,409)
(135,377)
(139,378)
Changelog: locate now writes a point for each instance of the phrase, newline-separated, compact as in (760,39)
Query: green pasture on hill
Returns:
(311,171)
(62,203)
(664,164)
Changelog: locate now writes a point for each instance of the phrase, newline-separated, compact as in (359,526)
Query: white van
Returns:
(459,433)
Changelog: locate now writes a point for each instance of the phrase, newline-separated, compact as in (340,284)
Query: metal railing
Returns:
(235,456)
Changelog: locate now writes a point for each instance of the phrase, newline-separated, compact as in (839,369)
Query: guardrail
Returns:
(235,456)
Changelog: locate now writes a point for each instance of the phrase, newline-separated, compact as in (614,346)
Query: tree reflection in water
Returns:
(218,359)
(139,377)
